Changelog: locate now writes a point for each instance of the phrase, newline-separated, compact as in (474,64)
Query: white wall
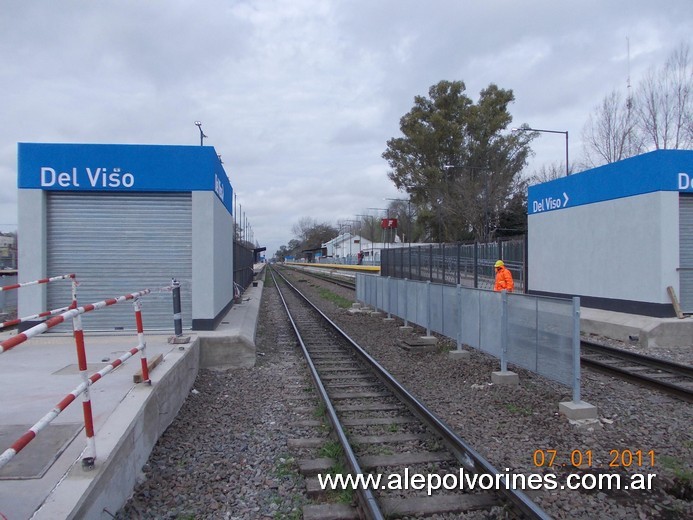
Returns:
(212,255)
(32,254)
(625,249)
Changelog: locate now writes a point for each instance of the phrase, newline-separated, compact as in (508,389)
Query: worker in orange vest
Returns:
(504,278)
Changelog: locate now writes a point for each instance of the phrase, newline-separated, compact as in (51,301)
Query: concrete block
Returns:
(232,344)
(462,355)
(506,378)
(406,328)
(578,411)
(375,314)
(388,320)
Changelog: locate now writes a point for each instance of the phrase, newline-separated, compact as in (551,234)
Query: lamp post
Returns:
(198,124)
(524,129)
(351,236)
(387,215)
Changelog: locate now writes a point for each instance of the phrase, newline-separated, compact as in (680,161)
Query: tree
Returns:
(664,103)
(611,133)
(310,234)
(454,162)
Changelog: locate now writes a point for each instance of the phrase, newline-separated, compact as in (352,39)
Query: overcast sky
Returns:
(300,96)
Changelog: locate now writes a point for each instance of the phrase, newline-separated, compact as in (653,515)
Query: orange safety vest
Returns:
(504,280)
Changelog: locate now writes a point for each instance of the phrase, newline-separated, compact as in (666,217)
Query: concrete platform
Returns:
(46,480)
(643,330)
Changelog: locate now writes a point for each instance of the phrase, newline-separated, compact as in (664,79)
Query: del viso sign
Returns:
(91,177)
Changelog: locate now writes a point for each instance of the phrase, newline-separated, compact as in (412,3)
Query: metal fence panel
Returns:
(522,331)
(555,342)
(490,322)
(421,304)
(436,307)
(469,317)
(540,330)
(451,311)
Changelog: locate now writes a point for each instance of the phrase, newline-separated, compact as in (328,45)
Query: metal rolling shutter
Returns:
(686,252)
(120,243)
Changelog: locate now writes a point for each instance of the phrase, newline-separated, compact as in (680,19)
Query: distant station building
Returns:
(618,236)
(125,218)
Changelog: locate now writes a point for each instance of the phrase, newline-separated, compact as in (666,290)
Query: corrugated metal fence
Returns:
(537,333)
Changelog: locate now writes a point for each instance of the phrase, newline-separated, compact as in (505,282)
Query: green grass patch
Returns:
(339,301)
(512,408)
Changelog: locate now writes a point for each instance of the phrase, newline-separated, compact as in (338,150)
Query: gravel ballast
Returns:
(227,455)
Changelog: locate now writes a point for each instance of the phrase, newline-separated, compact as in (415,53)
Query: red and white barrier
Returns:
(57,320)
(83,389)
(36,282)
(73,305)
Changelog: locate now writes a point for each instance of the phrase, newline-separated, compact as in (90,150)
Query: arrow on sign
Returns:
(565,200)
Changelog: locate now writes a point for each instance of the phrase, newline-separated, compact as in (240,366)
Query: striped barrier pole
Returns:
(74,293)
(36,282)
(12,323)
(61,406)
(142,344)
(90,451)
(57,320)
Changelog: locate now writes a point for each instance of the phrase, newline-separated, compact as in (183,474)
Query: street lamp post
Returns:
(387,215)
(523,129)
(198,124)
(351,236)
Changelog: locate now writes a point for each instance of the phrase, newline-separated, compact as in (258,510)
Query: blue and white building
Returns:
(617,235)
(124,218)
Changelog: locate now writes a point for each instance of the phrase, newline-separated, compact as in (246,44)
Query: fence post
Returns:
(140,339)
(476,264)
(90,451)
(388,281)
(428,306)
(74,293)
(177,320)
(504,331)
(576,349)
(459,316)
(406,302)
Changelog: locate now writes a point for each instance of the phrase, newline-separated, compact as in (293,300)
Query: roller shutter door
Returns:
(117,244)
(686,252)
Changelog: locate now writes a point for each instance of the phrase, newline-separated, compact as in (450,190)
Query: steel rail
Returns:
(673,389)
(467,456)
(367,499)
(320,276)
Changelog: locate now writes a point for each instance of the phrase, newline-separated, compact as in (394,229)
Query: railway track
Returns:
(330,276)
(385,431)
(668,377)
(672,378)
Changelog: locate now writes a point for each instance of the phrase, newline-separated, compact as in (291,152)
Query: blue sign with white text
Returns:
(122,167)
(661,170)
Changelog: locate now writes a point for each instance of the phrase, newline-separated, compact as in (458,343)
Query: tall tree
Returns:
(454,162)
(611,132)
(664,103)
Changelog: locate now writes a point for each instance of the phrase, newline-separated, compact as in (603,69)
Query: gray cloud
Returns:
(300,96)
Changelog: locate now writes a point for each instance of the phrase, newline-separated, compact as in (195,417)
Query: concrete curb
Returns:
(232,344)
(124,442)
